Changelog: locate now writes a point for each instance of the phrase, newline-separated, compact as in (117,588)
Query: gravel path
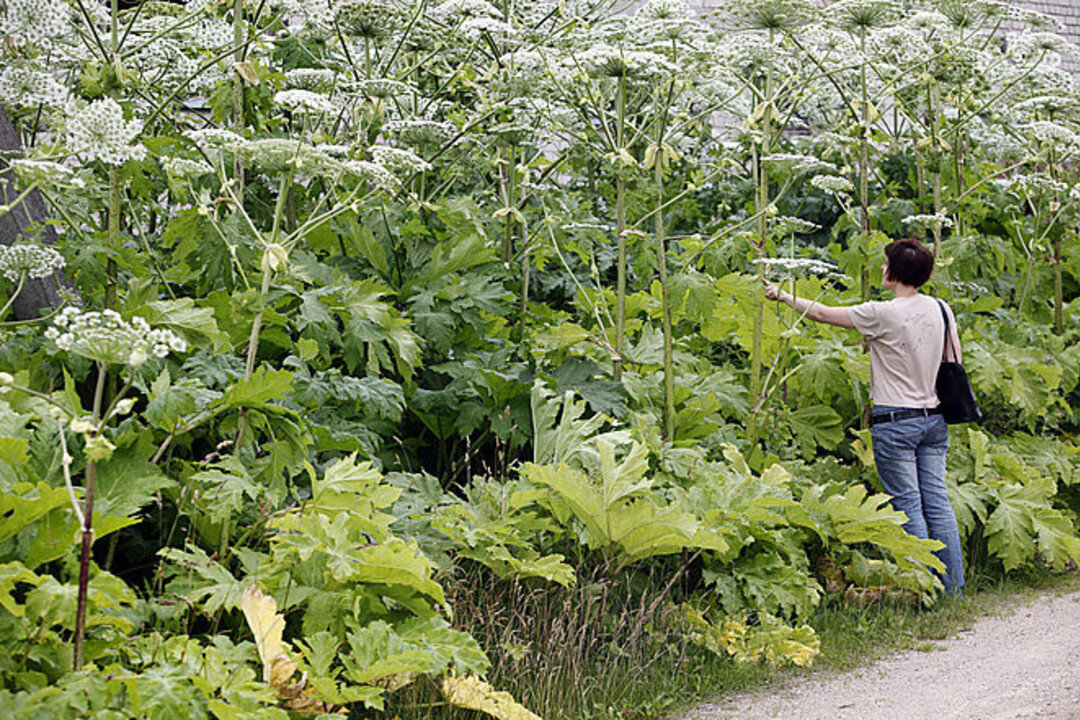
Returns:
(1025,664)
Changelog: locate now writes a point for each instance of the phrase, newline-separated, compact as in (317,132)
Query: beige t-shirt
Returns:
(906,337)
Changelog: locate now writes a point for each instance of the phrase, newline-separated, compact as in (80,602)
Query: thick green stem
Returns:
(238,90)
(864,168)
(249,370)
(264,288)
(14,295)
(620,229)
(665,304)
(936,175)
(508,173)
(1059,296)
(112,230)
(523,306)
(87,539)
(761,210)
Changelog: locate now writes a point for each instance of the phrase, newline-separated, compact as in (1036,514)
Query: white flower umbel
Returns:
(305,101)
(478,27)
(748,53)
(769,14)
(604,60)
(334,150)
(106,337)
(41,171)
(666,9)
(28,261)
(794,163)
(34,22)
(1036,44)
(1037,184)
(421,132)
(807,266)
(185,168)
(383,88)
(370,19)
(466,8)
(99,132)
(397,160)
(25,86)
(373,173)
(786,225)
(1050,133)
(311,78)
(832,184)
(1051,103)
(930,222)
(929,21)
(863,14)
(210,35)
(216,138)
(164,64)
(273,155)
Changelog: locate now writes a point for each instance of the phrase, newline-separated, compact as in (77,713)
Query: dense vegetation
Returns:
(419,343)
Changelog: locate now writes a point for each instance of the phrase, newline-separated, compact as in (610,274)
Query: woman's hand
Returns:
(812,309)
(773,291)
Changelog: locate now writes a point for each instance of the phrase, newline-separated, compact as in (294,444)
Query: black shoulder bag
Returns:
(953,389)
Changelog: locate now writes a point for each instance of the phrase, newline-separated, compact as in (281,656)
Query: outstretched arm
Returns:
(819,312)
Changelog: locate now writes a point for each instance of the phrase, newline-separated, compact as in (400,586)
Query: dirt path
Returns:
(1025,664)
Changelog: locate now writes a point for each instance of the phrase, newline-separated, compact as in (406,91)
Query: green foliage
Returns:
(770,640)
(1007,491)
(453,326)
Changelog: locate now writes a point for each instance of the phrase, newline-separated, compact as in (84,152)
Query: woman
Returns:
(910,437)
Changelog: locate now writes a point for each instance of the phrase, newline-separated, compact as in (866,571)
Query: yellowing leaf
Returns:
(281,670)
(278,668)
(472,693)
(267,626)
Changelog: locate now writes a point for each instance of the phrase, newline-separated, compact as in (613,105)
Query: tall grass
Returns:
(613,648)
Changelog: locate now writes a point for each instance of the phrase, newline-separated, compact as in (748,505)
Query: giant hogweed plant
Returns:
(363,220)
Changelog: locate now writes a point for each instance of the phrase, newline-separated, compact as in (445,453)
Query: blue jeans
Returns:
(910,459)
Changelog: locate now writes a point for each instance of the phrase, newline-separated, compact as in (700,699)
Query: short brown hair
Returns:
(910,262)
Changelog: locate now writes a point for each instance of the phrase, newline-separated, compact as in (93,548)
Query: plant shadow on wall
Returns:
(412,357)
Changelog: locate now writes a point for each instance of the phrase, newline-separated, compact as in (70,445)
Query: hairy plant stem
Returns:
(87,527)
(253,338)
(508,173)
(1037,238)
(934,99)
(864,167)
(14,295)
(1055,254)
(112,230)
(665,301)
(1059,298)
(523,305)
(761,204)
(620,230)
(864,195)
(238,92)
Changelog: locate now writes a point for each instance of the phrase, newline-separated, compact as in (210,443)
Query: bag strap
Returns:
(948,336)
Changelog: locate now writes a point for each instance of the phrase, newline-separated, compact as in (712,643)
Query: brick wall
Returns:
(1067,11)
